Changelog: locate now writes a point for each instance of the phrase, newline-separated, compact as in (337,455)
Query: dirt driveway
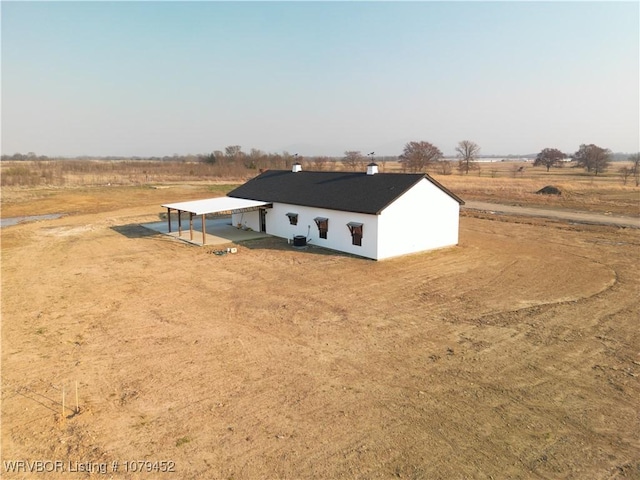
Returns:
(557,214)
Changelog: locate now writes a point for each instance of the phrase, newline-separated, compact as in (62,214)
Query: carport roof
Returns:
(215,205)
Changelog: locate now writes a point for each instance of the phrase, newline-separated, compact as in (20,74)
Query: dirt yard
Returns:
(512,356)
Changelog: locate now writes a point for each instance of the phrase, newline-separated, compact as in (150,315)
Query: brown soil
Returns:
(513,355)
(561,214)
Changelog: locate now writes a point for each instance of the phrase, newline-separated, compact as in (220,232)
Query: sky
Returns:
(318,78)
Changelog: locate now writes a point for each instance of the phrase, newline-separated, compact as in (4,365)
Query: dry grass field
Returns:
(514,355)
(512,182)
(499,183)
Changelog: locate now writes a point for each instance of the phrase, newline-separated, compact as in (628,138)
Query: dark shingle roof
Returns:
(351,192)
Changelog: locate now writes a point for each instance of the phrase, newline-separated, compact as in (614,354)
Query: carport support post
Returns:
(179,223)
(190,225)
(204,231)
(169,218)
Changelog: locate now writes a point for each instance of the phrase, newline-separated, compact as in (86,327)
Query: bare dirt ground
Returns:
(514,355)
(571,216)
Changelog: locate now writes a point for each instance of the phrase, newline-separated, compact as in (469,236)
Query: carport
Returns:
(209,206)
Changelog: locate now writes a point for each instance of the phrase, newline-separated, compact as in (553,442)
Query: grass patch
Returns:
(182,440)
(33,187)
(223,189)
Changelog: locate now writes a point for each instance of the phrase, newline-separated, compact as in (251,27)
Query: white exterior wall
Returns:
(338,235)
(247,220)
(424,218)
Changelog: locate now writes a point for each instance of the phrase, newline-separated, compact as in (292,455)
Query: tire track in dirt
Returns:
(362,369)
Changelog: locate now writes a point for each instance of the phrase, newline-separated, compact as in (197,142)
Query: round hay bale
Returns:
(549,190)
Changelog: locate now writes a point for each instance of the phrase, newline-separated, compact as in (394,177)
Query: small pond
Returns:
(8,222)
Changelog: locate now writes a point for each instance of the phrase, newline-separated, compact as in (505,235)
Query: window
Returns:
(356,233)
(293,218)
(323,226)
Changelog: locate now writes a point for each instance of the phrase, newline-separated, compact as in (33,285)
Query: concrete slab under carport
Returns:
(219,231)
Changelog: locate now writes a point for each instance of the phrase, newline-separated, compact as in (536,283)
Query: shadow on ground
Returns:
(281,244)
(220,235)
(135,230)
(217,231)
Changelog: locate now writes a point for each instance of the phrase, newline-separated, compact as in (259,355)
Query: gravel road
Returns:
(568,215)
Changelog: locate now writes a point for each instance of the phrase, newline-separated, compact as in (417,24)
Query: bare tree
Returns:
(274,161)
(467,153)
(417,156)
(215,157)
(218,154)
(319,162)
(549,157)
(208,158)
(287,159)
(445,167)
(353,160)
(593,158)
(635,167)
(234,153)
(625,172)
(255,160)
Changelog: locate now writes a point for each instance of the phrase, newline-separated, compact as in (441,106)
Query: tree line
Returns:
(592,158)
(417,156)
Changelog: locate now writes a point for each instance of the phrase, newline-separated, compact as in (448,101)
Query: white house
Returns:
(373,215)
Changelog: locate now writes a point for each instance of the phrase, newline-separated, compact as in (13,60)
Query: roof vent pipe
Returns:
(296,167)
(372,168)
